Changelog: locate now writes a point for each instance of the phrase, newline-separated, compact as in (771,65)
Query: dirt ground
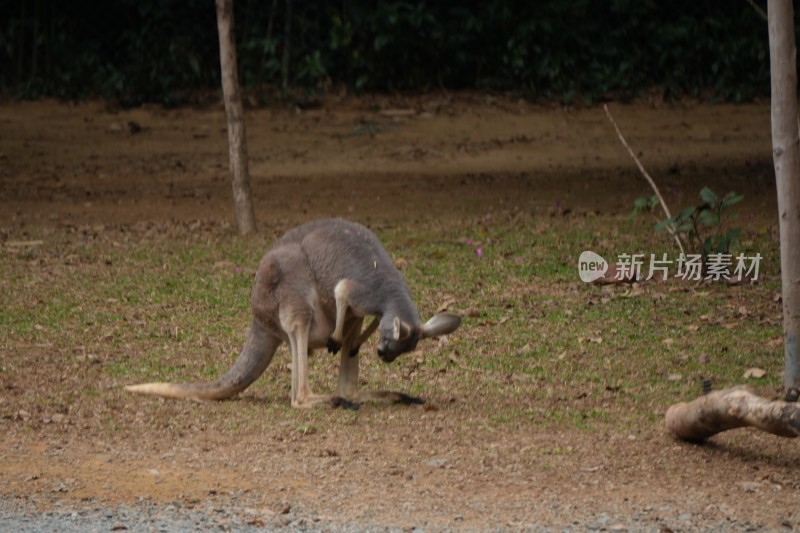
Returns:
(387,160)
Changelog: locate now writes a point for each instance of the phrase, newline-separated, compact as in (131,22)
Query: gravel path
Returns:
(144,516)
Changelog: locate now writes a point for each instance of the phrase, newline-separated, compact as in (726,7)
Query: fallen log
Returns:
(732,408)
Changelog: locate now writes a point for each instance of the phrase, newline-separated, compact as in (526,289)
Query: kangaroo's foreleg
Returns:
(344,294)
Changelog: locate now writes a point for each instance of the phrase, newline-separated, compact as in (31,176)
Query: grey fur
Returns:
(313,289)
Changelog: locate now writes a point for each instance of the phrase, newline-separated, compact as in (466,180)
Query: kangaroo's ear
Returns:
(401,330)
(441,324)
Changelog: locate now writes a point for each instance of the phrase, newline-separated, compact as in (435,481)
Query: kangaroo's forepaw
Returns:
(337,402)
(407,399)
(354,351)
(334,346)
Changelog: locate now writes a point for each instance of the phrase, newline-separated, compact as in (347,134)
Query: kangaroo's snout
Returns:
(386,353)
(389,349)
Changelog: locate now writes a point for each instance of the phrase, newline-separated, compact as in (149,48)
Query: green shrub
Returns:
(584,49)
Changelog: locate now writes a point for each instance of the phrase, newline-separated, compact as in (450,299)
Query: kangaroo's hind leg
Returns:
(348,362)
(302,395)
(365,335)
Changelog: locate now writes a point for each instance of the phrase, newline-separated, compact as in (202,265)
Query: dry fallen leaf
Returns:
(446,304)
(755,373)
(777,341)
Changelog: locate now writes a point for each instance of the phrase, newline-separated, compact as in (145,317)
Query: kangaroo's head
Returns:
(399,336)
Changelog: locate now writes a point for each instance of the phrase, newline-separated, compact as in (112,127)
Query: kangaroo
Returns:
(313,290)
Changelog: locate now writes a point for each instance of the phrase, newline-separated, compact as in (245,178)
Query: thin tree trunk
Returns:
(237,135)
(786,156)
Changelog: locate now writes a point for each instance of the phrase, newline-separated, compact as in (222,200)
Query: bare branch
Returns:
(729,409)
(647,177)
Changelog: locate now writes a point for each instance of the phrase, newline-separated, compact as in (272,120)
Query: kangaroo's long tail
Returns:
(251,363)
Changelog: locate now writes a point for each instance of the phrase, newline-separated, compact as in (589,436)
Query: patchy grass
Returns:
(537,346)
(580,353)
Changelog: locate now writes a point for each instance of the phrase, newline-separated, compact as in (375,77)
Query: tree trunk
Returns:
(732,408)
(237,135)
(786,157)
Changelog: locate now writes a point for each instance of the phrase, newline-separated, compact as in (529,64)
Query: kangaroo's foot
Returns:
(334,346)
(307,401)
(337,402)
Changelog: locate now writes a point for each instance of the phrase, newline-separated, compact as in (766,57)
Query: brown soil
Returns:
(416,159)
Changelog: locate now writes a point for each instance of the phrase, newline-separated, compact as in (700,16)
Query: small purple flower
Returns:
(476,246)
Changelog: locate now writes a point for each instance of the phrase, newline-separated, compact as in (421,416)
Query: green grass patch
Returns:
(537,346)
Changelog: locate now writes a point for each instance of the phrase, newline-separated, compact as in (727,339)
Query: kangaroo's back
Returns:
(338,249)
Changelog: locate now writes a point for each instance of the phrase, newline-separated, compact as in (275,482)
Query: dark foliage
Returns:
(164,51)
